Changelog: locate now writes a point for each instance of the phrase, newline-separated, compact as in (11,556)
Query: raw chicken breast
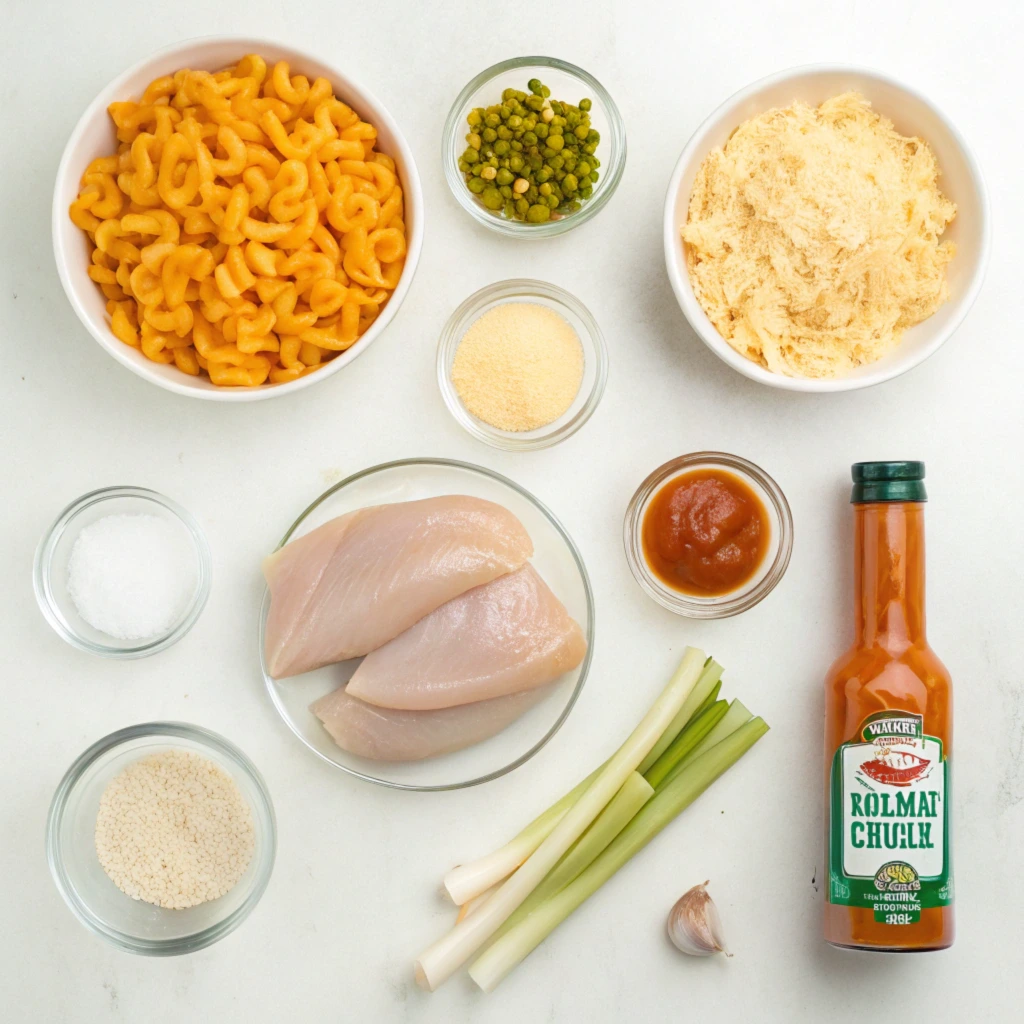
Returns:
(388,735)
(512,634)
(354,583)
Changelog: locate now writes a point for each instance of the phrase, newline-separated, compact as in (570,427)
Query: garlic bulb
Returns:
(694,925)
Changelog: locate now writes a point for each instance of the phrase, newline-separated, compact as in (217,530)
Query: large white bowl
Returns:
(94,136)
(912,115)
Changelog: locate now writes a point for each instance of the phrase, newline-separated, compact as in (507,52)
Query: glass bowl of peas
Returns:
(533,147)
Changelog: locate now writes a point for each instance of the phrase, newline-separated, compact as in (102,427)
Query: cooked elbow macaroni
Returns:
(246,228)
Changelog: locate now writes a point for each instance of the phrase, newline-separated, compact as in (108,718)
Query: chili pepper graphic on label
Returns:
(896,768)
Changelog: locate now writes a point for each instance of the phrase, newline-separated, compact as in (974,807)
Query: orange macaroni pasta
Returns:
(246,229)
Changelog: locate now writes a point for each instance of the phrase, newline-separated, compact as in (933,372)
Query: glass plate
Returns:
(555,557)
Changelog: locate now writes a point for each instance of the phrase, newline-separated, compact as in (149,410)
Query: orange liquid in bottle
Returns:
(888,740)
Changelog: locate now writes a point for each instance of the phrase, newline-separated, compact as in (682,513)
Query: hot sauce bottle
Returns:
(888,737)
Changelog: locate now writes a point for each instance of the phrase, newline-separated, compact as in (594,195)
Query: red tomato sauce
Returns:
(705,533)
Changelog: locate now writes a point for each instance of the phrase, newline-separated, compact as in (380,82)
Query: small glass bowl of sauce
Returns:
(708,535)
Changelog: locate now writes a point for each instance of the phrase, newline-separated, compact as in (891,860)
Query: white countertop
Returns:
(354,893)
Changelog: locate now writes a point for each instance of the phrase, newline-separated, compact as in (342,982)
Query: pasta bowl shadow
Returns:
(94,136)
(913,115)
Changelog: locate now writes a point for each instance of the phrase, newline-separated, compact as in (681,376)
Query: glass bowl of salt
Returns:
(123,572)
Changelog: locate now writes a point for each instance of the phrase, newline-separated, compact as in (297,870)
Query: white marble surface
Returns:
(354,893)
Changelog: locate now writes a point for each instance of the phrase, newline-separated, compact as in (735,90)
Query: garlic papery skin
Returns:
(694,925)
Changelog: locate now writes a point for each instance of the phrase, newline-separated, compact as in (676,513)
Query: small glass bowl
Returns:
(50,573)
(567,82)
(595,362)
(133,925)
(772,568)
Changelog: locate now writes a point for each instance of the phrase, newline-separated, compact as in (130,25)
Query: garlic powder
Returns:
(519,366)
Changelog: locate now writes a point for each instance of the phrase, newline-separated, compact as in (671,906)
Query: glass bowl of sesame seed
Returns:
(161,838)
(521,365)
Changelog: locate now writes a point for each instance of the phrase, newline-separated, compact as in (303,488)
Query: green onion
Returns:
(686,742)
(736,716)
(446,955)
(708,683)
(635,792)
(467,881)
(513,947)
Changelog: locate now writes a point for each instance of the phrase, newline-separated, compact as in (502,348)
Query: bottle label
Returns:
(889,833)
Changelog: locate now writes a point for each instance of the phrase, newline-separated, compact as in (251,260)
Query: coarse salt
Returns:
(131,576)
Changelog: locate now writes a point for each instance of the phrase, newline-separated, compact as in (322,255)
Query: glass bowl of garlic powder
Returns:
(123,572)
(522,365)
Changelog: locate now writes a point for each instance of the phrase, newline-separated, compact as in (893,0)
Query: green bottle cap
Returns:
(887,481)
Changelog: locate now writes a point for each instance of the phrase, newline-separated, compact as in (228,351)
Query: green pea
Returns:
(585,104)
(474,117)
(522,205)
(582,167)
(501,147)
(555,129)
(510,209)
(516,145)
(537,214)
(593,137)
(529,123)
(491,120)
(477,185)
(541,131)
(570,183)
(505,177)
(552,202)
(463,166)
(534,86)
(581,132)
(505,190)
(535,103)
(529,138)
(515,121)
(555,142)
(488,135)
(516,162)
(504,112)
(556,163)
(586,193)
(572,119)
(545,189)
(471,155)
(593,175)
(492,198)
(556,106)
(476,168)
(594,162)
(545,91)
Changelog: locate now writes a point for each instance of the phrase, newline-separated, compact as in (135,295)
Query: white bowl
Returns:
(94,136)
(912,115)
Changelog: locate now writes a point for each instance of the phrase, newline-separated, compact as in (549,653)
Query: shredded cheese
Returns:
(812,239)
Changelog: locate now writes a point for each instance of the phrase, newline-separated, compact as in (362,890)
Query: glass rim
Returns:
(584,668)
(734,602)
(456,325)
(42,584)
(267,845)
(517,229)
